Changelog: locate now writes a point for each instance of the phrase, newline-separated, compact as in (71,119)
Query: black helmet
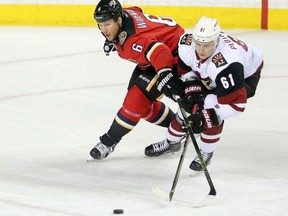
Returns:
(107,9)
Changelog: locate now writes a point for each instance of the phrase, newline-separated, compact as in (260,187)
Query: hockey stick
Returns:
(168,197)
(190,132)
(157,191)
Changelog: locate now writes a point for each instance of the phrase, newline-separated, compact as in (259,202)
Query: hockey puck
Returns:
(118,211)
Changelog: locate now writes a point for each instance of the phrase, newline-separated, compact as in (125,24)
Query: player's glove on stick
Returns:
(203,120)
(170,84)
(194,94)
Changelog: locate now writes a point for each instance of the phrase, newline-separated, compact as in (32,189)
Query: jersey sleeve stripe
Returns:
(151,49)
(238,107)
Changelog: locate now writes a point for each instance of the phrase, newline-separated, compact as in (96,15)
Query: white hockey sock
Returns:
(207,148)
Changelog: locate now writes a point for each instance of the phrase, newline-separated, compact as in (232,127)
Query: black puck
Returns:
(118,211)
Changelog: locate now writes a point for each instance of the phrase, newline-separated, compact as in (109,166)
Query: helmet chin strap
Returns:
(103,33)
(217,42)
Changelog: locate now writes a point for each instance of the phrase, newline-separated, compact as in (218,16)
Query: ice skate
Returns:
(196,164)
(163,147)
(101,151)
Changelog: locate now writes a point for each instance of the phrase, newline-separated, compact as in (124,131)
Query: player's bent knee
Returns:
(137,103)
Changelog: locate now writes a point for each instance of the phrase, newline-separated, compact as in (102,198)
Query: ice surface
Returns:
(59,93)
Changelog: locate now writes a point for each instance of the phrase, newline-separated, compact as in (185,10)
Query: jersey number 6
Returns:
(137,47)
(162,20)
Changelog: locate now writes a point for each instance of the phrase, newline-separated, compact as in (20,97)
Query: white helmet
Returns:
(206,30)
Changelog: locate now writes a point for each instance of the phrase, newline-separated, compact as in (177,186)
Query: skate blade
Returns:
(194,173)
(167,154)
(90,159)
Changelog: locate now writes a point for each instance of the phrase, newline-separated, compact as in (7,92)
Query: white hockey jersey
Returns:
(223,73)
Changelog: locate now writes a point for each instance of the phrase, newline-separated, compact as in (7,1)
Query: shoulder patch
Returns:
(219,60)
(186,39)
(122,37)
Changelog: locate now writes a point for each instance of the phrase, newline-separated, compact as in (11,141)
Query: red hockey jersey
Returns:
(148,40)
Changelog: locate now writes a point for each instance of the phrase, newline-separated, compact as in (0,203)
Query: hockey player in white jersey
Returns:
(220,72)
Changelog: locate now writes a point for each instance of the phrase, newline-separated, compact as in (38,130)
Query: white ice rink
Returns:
(59,93)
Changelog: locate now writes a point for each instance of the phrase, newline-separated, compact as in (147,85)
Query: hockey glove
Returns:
(203,120)
(194,94)
(170,84)
(108,47)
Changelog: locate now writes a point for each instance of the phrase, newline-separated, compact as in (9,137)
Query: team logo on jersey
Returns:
(122,37)
(186,39)
(207,83)
(219,60)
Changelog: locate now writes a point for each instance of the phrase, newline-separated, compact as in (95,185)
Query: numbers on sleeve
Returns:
(227,81)
(137,47)
(162,20)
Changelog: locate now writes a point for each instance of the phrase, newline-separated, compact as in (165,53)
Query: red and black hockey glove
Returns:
(203,120)
(195,93)
(170,84)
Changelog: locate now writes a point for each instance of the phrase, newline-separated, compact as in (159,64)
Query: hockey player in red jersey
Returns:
(151,42)
(220,72)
